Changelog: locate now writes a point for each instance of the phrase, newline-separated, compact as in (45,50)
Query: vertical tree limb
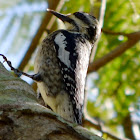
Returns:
(101,21)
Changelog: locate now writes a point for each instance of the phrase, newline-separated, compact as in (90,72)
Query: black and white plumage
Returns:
(62,62)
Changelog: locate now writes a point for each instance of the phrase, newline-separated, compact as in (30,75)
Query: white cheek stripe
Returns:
(63,55)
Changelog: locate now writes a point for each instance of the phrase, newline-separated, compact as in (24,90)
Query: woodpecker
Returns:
(62,62)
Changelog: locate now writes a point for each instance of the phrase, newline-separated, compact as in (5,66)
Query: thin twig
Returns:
(35,77)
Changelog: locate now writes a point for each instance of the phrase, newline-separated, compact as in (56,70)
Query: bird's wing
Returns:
(73,55)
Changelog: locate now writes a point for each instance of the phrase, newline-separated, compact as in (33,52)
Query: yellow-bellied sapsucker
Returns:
(62,61)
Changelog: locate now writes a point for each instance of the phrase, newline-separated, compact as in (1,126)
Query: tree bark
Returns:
(22,117)
(127,125)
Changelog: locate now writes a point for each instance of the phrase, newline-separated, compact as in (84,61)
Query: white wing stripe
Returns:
(63,55)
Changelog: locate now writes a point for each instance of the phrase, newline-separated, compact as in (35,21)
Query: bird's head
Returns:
(81,22)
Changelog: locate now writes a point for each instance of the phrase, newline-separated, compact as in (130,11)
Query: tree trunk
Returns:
(127,125)
(23,118)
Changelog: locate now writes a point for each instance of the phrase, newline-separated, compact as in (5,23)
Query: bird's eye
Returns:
(91,31)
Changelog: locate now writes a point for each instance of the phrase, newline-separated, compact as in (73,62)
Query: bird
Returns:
(62,61)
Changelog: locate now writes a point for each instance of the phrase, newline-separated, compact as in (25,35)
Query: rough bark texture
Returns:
(23,118)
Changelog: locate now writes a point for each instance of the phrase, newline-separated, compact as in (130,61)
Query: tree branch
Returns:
(45,24)
(90,122)
(22,117)
(114,33)
(133,38)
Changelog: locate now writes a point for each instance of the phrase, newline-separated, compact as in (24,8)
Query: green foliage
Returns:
(78,5)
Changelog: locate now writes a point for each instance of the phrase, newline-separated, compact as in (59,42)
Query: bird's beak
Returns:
(63,17)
